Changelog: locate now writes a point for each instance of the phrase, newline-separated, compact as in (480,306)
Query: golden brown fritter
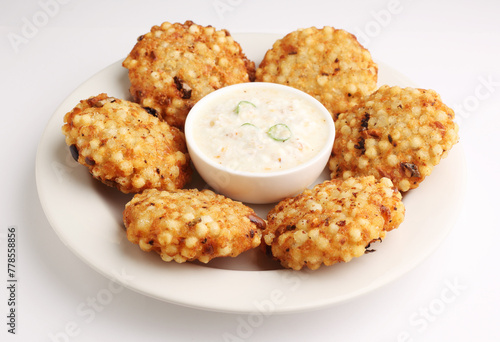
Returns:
(333,222)
(326,63)
(124,146)
(399,133)
(187,225)
(174,65)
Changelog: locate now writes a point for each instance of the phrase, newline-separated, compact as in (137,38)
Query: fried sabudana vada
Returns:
(174,65)
(398,133)
(189,224)
(124,146)
(329,64)
(333,222)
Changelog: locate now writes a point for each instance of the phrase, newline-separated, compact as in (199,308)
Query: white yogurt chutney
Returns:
(260,130)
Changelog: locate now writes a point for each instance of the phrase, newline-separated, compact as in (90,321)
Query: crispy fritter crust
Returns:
(175,65)
(326,63)
(333,222)
(124,146)
(396,133)
(187,225)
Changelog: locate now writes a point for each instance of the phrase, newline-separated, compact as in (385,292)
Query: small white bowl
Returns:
(256,187)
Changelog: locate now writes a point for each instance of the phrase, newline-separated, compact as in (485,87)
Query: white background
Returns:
(452,47)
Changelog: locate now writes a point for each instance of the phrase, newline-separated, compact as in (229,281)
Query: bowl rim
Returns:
(194,148)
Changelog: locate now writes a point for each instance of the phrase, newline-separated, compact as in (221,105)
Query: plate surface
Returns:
(87,216)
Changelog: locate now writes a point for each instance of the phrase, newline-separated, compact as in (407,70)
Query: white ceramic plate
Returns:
(87,216)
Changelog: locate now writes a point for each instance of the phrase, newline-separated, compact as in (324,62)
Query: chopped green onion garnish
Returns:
(241,103)
(248,124)
(279,132)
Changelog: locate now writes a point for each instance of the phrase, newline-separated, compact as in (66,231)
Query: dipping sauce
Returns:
(260,130)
